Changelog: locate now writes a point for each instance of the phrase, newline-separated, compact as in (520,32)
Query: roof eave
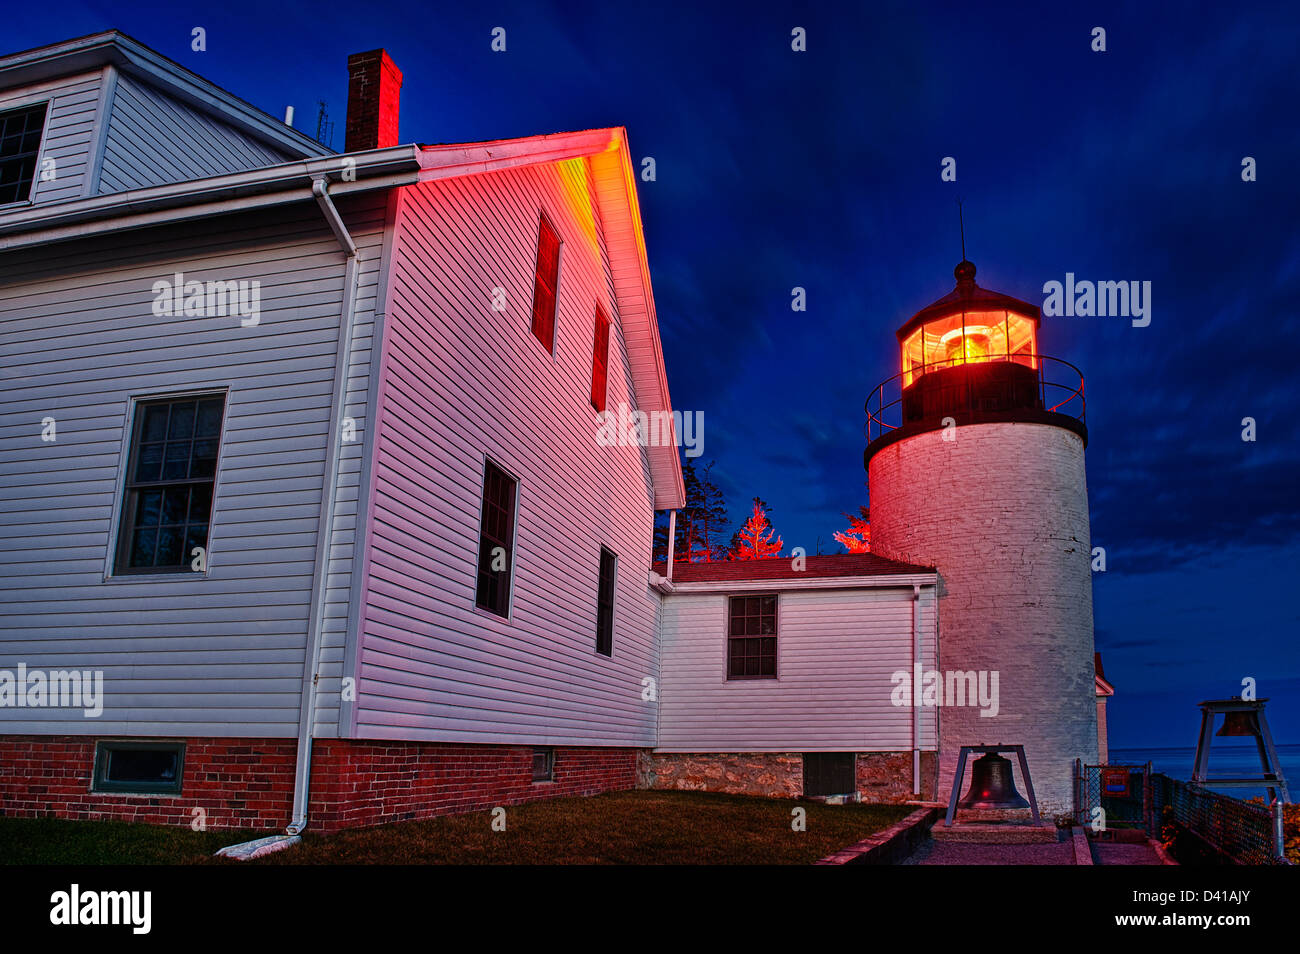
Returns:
(873,581)
(199,198)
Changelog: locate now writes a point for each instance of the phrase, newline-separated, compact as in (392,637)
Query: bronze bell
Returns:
(1240,722)
(992,785)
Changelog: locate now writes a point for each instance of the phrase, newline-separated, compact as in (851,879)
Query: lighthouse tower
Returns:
(975,466)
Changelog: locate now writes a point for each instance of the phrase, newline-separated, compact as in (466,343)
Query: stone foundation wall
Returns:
(881,776)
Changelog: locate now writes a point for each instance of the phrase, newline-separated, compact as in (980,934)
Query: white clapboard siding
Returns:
(463,381)
(836,652)
(153,138)
(221,655)
(69,131)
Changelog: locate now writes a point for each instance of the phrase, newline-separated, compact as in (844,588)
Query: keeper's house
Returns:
(302,514)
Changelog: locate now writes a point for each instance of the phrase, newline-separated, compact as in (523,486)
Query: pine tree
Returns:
(701,521)
(754,540)
(714,517)
(857,538)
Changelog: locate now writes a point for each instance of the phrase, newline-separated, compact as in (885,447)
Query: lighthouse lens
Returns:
(968,347)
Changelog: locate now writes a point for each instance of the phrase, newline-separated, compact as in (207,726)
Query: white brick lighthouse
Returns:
(975,466)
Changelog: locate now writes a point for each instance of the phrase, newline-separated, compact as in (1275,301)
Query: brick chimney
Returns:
(374,92)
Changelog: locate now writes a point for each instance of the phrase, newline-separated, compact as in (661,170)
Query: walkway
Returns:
(958,853)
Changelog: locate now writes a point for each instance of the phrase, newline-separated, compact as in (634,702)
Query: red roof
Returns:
(782,568)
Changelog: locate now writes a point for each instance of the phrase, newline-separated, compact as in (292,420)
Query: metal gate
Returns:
(1121,791)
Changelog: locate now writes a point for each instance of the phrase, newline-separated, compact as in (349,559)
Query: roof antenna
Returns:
(961,224)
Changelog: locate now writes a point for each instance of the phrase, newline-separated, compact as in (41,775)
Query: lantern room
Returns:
(969,328)
(971,325)
(973,357)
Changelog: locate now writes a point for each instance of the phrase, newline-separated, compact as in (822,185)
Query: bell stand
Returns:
(1270,778)
(988,750)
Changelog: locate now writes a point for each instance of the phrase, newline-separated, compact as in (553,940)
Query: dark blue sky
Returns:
(821,169)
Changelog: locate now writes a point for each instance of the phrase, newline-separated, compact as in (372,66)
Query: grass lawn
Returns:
(643,827)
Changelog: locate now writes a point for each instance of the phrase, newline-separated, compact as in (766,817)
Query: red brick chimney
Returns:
(374,91)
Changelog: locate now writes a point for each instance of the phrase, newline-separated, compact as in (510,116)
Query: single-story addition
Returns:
(799,698)
(303,518)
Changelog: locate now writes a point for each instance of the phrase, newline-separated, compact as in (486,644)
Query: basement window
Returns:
(139,768)
(543,765)
(20,141)
(829,773)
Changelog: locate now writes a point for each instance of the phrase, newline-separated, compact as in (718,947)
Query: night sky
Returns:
(821,169)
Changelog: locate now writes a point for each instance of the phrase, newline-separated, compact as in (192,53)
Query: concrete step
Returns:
(995,833)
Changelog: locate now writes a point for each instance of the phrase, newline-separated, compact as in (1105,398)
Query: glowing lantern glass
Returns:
(970,344)
(967,337)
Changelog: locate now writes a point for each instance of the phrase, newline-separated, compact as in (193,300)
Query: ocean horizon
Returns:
(1225,761)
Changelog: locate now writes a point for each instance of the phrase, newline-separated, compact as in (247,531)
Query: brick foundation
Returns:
(239,783)
(248,783)
(358,784)
(881,776)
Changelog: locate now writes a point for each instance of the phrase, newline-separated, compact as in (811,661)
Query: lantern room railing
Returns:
(1058,384)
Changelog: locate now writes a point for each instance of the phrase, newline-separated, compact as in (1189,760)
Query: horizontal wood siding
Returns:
(463,381)
(69,131)
(836,652)
(154,138)
(221,655)
(367,218)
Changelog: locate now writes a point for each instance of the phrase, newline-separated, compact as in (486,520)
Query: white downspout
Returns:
(672,538)
(916,710)
(325,528)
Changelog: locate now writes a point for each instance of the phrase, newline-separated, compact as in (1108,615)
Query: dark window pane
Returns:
(201,503)
(196,535)
(149,508)
(176,465)
(148,464)
(170,540)
(205,459)
(158,765)
(209,419)
(155,423)
(182,420)
(176,505)
(143,547)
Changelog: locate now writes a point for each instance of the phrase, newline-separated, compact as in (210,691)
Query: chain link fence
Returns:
(1132,796)
(1236,830)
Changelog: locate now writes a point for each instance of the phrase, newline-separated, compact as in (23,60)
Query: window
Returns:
(545,280)
(170,476)
(20,140)
(600,361)
(829,773)
(543,765)
(751,638)
(605,604)
(496,540)
(146,768)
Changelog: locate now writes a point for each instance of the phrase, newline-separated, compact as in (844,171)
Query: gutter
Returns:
(47,222)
